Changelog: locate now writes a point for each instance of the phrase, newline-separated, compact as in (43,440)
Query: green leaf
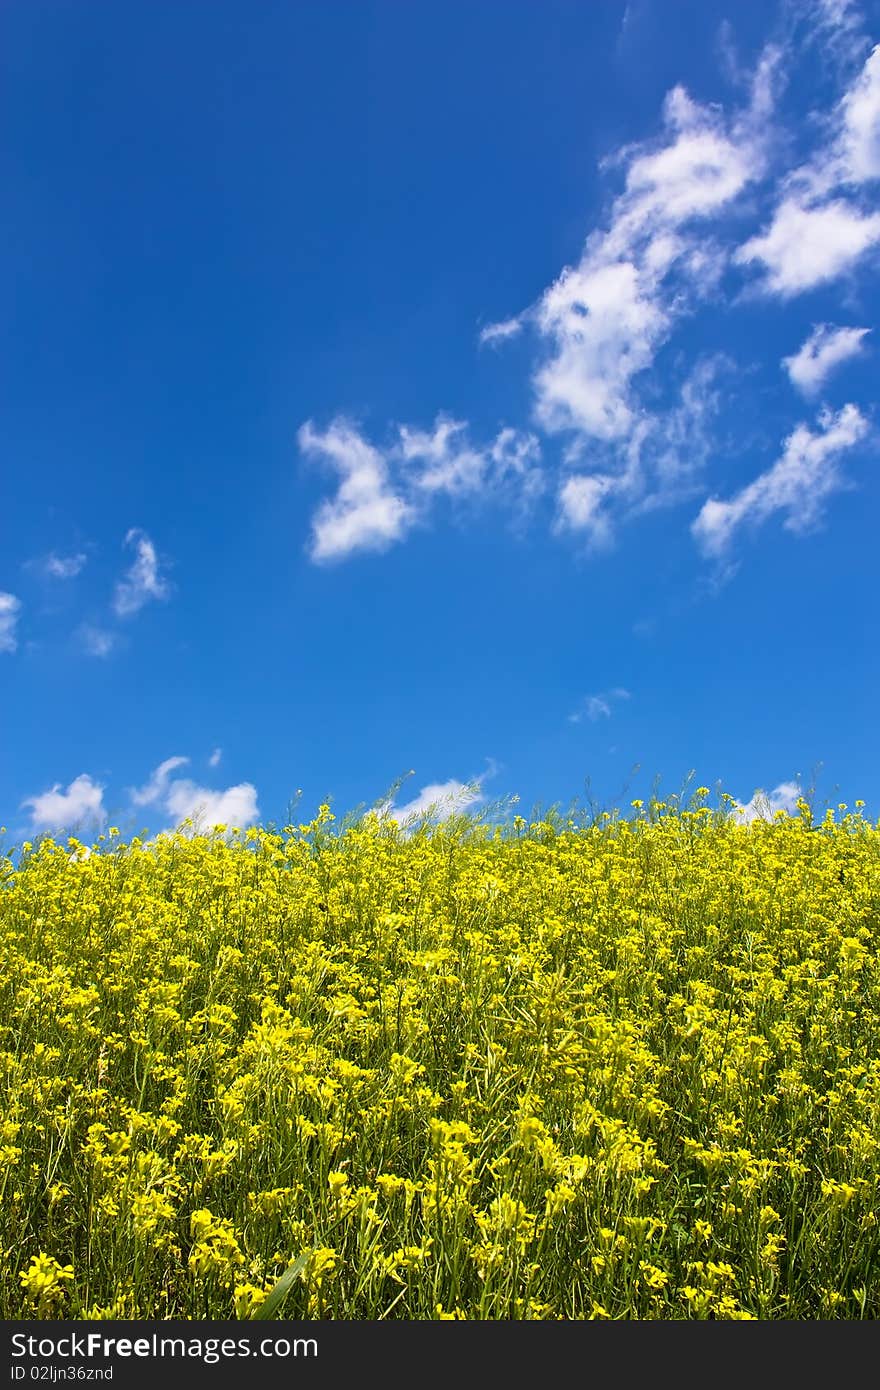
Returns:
(273,1303)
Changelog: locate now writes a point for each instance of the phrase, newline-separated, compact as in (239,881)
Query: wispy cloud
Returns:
(821,227)
(825,350)
(763,805)
(156,788)
(809,246)
(444,461)
(836,27)
(183,799)
(96,641)
(582,507)
(680,441)
(709,194)
(81,803)
(439,800)
(10,610)
(661,464)
(605,318)
(859,140)
(366,513)
(501,332)
(143,582)
(602,323)
(600,706)
(385,492)
(798,483)
(214,760)
(448,463)
(64,566)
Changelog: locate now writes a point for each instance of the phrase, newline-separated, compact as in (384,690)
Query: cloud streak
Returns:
(798,483)
(143,582)
(605,318)
(820,229)
(822,353)
(805,247)
(96,641)
(600,706)
(495,333)
(439,800)
(64,566)
(859,140)
(10,611)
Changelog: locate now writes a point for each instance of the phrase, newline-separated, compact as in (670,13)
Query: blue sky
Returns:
(487,392)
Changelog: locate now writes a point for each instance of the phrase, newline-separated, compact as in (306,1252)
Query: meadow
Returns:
(621,1068)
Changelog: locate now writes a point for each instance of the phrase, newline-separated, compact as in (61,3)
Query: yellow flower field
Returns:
(623,1069)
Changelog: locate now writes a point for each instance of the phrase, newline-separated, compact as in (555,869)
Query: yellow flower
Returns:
(43,1282)
(337,1183)
(247,1299)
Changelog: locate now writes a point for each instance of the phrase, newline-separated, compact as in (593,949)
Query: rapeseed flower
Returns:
(566,1068)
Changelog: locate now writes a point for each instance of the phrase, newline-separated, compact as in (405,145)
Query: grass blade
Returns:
(276,1298)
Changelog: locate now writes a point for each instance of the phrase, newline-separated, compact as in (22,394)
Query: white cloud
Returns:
(833,29)
(673,447)
(183,799)
(605,323)
(595,707)
(143,581)
(64,566)
(658,465)
(501,332)
(798,483)
(836,21)
(234,806)
(384,493)
(640,428)
(825,349)
(10,608)
(157,787)
(214,760)
(859,143)
(808,246)
(515,468)
(81,803)
(366,513)
(514,453)
(763,806)
(582,500)
(815,234)
(700,170)
(449,464)
(605,318)
(439,800)
(96,641)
